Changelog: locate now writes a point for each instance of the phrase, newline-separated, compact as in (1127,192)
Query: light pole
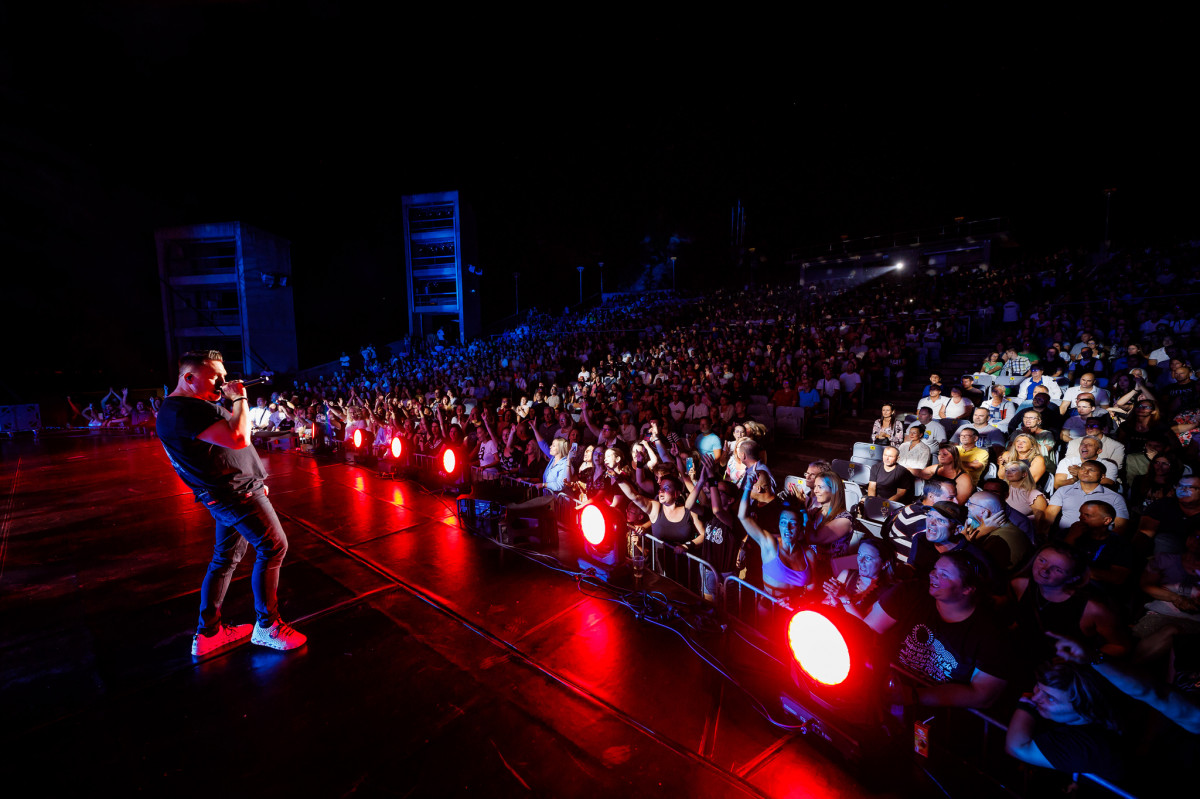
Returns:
(1108,193)
(673,272)
(580,268)
(517,291)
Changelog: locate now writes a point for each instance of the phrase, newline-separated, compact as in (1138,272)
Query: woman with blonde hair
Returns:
(1023,494)
(948,464)
(1028,450)
(558,470)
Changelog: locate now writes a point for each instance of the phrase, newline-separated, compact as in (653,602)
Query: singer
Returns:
(209,447)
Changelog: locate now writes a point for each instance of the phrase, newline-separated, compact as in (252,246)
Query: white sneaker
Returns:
(279,635)
(229,635)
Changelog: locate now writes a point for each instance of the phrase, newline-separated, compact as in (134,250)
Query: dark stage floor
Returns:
(438,663)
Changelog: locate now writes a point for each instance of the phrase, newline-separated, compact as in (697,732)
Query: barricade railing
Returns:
(753,606)
(736,598)
(564,506)
(693,573)
(992,726)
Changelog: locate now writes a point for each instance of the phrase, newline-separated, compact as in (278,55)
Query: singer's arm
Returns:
(234,432)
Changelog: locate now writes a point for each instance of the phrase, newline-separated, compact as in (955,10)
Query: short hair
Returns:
(940,486)
(194,359)
(920,428)
(1105,508)
(995,485)
(822,466)
(1078,573)
(751,447)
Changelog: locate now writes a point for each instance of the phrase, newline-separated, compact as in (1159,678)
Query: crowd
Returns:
(1047,503)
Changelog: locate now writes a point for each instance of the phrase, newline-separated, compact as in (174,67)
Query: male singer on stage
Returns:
(210,450)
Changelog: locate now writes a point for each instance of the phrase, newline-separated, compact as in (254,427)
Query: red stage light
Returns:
(358,438)
(819,647)
(397,447)
(593,524)
(449,461)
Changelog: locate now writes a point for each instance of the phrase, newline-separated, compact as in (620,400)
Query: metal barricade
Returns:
(685,569)
(752,606)
(991,726)
(564,510)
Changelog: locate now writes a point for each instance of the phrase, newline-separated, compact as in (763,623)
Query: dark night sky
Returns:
(573,138)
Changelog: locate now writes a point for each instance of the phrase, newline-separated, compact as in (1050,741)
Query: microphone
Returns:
(265,379)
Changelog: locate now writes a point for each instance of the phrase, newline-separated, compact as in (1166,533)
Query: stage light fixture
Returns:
(394,461)
(359,447)
(837,662)
(604,532)
(592,524)
(819,647)
(452,471)
(838,672)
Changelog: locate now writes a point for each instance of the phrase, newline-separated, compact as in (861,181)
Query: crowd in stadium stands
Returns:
(1009,527)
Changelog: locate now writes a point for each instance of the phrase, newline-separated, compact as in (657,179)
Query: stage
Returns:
(438,662)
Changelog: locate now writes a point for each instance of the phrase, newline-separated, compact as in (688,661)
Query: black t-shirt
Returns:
(721,543)
(940,650)
(1180,396)
(976,396)
(1174,526)
(888,483)
(203,466)
(1135,441)
(1087,747)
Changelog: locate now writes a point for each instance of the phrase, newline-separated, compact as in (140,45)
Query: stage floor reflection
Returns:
(438,663)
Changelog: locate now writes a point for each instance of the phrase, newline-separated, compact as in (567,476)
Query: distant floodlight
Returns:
(900,264)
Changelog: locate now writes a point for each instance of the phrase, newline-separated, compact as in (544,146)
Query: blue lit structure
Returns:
(227,286)
(443,279)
